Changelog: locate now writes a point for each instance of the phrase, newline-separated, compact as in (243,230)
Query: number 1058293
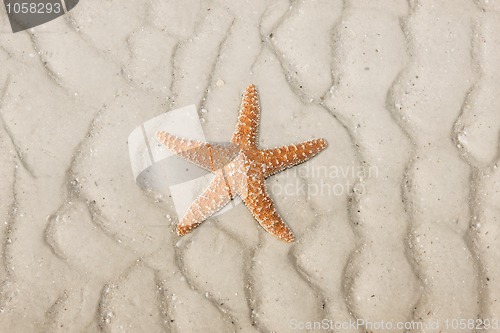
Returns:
(472,324)
(33,8)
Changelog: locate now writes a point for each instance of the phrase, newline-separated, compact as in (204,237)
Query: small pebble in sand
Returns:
(219,83)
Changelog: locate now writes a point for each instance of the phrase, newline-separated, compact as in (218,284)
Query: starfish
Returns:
(240,169)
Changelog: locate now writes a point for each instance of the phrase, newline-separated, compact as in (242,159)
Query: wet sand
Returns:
(398,220)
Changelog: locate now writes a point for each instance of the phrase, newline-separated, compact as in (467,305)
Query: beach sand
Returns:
(397,222)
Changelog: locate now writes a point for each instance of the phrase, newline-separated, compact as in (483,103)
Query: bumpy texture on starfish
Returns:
(240,169)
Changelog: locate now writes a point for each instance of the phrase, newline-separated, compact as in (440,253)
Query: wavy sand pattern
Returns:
(405,92)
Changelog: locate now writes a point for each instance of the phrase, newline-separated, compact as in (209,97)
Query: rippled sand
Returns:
(397,221)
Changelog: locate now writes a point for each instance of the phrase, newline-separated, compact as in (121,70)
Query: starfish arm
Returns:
(262,208)
(216,196)
(246,131)
(281,158)
(207,156)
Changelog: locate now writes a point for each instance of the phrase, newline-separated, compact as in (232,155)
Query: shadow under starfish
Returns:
(240,169)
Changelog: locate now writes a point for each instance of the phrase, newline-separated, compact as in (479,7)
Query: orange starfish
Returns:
(240,169)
